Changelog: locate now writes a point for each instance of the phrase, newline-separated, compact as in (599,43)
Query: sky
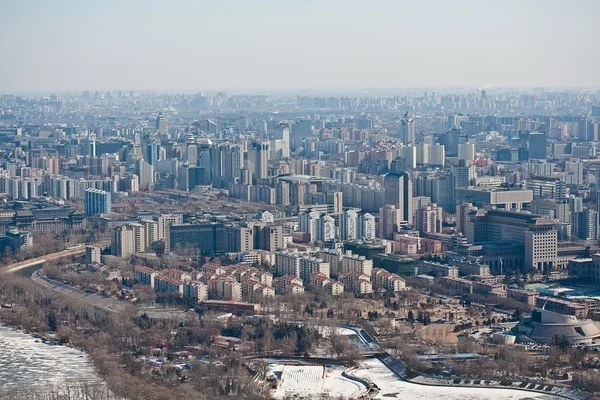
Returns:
(180,45)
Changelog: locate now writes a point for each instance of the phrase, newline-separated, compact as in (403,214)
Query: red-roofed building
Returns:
(145,275)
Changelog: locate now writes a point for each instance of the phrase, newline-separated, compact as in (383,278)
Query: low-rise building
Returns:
(562,306)
(525,296)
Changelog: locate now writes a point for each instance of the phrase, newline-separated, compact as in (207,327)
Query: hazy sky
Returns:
(72,45)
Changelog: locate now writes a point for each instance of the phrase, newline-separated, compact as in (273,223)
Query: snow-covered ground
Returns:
(24,360)
(391,387)
(313,380)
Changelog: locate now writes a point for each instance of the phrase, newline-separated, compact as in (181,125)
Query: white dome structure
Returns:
(543,326)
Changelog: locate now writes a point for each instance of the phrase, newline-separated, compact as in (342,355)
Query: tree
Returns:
(518,314)
(411,316)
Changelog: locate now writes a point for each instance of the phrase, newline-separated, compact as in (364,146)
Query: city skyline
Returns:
(296,46)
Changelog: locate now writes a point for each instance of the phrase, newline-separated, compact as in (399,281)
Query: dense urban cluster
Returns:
(416,218)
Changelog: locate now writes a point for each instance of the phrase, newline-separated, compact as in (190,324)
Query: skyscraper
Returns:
(537,145)
(398,192)
(145,172)
(97,202)
(161,123)
(408,129)
(349,225)
(463,174)
(152,153)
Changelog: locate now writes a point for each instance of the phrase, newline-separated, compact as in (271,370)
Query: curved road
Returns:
(104,303)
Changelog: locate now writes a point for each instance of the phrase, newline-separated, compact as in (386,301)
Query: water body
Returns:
(27,362)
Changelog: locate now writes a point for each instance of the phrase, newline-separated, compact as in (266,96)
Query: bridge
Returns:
(76,251)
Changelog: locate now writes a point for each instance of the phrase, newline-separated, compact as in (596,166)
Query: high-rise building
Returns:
(308,221)
(408,129)
(466,151)
(463,174)
(97,202)
(326,231)
(337,202)
(122,242)
(538,145)
(462,216)
(390,220)
(368,228)
(349,229)
(437,155)
(152,155)
(145,173)
(399,193)
(536,234)
(161,123)
(423,151)
(427,220)
(92,255)
(585,224)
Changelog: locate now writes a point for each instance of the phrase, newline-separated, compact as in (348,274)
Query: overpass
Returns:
(77,251)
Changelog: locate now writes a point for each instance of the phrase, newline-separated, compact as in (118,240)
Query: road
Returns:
(40,260)
(104,303)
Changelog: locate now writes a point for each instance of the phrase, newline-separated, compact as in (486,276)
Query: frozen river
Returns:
(26,362)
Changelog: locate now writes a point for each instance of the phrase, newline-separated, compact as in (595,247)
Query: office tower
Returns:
(349,229)
(302,128)
(585,224)
(145,173)
(207,237)
(466,151)
(546,188)
(241,124)
(390,220)
(463,174)
(537,235)
(92,255)
(398,192)
(437,155)
(554,209)
(260,159)
(97,202)
(152,153)
(161,123)
(409,155)
(423,151)
(575,203)
(204,159)
(91,146)
(191,151)
(408,129)
(582,130)
(462,216)
(537,145)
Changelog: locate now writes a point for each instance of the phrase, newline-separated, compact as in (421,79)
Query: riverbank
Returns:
(32,369)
